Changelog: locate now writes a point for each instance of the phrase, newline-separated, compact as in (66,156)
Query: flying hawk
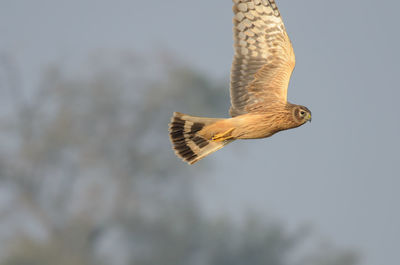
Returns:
(263,63)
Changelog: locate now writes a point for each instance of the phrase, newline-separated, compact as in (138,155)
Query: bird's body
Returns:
(261,70)
(254,125)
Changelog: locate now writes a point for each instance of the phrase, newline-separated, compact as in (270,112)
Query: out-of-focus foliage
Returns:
(87,175)
(326,254)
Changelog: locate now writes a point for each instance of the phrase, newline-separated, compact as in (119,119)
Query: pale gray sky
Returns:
(340,173)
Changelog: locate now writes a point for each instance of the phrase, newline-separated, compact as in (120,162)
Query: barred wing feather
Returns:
(264,57)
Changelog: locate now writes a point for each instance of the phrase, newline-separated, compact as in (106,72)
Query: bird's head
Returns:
(301,114)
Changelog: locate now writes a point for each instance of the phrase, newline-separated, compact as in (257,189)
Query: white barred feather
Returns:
(264,57)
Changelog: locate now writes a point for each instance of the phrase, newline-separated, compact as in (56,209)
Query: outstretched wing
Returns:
(264,59)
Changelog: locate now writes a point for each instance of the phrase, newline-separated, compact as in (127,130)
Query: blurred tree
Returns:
(88,165)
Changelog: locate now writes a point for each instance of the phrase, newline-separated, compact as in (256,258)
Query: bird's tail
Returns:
(188,143)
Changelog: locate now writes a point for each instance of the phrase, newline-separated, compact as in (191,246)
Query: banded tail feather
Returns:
(188,144)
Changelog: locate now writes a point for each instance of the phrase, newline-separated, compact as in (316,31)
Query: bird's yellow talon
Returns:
(223,136)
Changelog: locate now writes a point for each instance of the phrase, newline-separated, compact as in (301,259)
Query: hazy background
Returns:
(87,88)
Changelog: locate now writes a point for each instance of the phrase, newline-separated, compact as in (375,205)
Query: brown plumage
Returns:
(261,70)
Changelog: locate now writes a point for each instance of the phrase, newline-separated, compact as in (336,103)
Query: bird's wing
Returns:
(264,59)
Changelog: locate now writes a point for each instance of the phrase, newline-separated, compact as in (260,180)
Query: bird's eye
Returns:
(302,113)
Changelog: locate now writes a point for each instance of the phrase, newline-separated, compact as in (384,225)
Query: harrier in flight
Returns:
(263,63)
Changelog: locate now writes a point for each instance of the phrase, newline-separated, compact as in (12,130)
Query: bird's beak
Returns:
(309,117)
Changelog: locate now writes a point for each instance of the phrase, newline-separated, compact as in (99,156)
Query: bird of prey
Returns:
(262,65)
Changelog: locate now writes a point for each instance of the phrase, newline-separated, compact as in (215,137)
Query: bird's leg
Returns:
(223,136)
